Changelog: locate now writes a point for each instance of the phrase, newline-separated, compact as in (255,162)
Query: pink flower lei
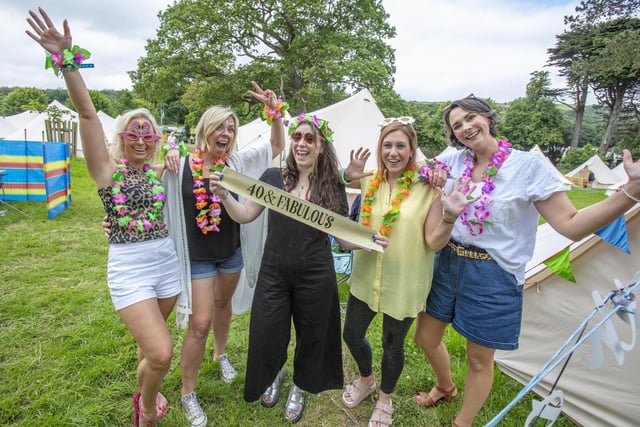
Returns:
(207,206)
(475,222)
(119,199)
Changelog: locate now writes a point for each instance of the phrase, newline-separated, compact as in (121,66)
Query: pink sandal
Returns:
(356,393)
(138,416)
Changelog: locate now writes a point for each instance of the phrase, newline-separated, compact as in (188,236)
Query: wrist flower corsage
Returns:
(69,60)
(170,146)
(271,114)
(431,164)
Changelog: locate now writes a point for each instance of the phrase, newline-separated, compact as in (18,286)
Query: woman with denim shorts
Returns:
(208,241)
(478,276)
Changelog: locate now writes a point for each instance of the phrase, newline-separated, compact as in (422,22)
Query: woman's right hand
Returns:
(46,34)
(216,187)
(172,160)
(358,160)
(106,226)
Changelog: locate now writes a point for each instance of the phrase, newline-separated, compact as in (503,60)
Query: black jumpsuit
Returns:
(297,279)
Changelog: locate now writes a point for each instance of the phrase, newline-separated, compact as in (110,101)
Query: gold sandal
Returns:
(272,394)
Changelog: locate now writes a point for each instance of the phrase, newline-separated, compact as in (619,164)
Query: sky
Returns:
(445,49)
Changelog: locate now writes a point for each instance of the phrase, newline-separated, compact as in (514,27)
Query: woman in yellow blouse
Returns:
(413,221)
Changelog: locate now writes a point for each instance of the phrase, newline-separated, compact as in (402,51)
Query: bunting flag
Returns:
(561,265)
(615,234)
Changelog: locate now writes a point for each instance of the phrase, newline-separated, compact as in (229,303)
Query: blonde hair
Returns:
(210,121)
(408,130)
(122,123)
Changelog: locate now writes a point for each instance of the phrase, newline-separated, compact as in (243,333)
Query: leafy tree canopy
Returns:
(24,99)
(310,52)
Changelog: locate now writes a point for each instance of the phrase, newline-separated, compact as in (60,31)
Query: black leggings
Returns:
(356,323)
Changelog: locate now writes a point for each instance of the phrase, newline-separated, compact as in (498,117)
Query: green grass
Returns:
(66,359)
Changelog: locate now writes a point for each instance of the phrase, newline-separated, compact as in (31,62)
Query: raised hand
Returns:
(46,34)
(455,202)
(267,97)
(357,161)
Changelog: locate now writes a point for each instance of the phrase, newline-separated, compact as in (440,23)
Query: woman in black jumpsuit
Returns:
(297,279)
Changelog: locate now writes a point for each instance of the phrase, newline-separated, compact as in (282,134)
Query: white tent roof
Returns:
(33,130)
(567,184)
(604,176)
(21,119)
(355,122)
(554,308)
(6,127)
(620,172)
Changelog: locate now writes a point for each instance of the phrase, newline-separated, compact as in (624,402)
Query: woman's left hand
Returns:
(267,97)
(214,185)
(381,240)
(172,161)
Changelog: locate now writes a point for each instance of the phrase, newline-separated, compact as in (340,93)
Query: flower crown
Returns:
(321,124)
(404,120)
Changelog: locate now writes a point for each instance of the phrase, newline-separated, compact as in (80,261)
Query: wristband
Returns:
(271,114)
(626,193)
(67,60)
(341,177)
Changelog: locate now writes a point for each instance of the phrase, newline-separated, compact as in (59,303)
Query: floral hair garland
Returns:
(481,211)
(390,217)
(67,59)
(321,124)
(119,199)
(208,206)
(271,114)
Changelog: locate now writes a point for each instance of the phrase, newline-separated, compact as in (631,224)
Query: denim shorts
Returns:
(481,300)
(207,269)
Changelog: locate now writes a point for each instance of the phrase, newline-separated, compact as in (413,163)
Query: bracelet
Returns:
(67,60)
(271,114)
(173,146)
(341,178)
(626,193)
(431,164)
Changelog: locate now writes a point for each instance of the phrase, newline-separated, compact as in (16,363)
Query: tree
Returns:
(24,99)
(616,72)
(311,52)
(574,157)
(535,119)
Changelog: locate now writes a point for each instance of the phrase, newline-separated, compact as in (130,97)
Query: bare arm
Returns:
(575,225)
(99,163)
(269,98)
(241,213)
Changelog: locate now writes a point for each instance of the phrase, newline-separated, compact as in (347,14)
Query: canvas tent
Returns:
(355,122)
(604,177)
(554,308)
(566,183)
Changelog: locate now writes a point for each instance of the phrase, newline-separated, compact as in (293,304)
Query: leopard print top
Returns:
(138,191)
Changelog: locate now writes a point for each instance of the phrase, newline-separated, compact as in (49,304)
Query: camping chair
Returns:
(342,259)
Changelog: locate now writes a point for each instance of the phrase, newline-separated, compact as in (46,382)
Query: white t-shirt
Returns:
(524,178)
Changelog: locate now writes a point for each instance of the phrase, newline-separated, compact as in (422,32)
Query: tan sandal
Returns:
(426,400)
(382,414)
(355,393)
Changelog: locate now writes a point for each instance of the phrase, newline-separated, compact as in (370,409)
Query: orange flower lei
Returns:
(390,217)
(209,216)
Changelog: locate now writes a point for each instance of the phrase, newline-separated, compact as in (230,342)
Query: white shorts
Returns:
(142,270)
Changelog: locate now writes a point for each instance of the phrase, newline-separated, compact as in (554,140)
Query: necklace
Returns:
(481,211)
(390,217)
(119,199)
(208,217)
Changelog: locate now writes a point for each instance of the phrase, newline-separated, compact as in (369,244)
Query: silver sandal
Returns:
(272,394)
(295,404)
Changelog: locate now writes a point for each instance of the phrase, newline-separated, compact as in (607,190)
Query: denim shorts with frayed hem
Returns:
(481,300)
(206,269)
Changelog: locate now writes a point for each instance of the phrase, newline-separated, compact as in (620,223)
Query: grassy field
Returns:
(66,359)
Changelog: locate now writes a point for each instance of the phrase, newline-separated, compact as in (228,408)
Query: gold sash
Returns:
(300,210)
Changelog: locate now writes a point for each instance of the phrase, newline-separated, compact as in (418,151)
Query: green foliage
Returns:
(100,101)
(528,122)
(312,52)
(23,99)
(574,157)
